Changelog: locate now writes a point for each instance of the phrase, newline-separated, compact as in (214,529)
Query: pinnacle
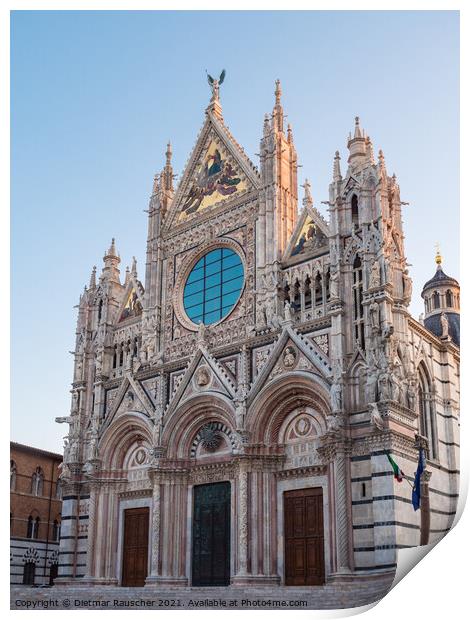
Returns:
(112,248)
(278,92)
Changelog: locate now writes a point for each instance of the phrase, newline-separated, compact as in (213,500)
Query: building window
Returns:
(308,293)
(213,287)
(30,527)
(449,299)
(354,211)
(56,530)
(427,423)
(12,475)
(358,307)
(37,482)
(296,301)
(318,291)
(29,572)
(32,530)
(436,300)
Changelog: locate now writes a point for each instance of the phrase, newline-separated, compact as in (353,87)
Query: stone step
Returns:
(329,596)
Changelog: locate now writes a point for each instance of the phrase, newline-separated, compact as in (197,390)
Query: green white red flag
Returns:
(397,472)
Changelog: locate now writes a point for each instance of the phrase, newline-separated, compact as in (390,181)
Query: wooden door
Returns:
(303,537)
(135,552)
(211,535)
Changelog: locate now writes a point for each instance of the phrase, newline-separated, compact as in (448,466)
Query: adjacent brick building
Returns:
(35,514)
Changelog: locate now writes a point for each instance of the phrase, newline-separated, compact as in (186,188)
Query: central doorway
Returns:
(211,535)
(303,537)
(136,542)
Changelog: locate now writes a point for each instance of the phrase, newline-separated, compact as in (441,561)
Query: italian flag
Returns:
(397,472)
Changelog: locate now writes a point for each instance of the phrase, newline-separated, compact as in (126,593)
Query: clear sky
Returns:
(95,96)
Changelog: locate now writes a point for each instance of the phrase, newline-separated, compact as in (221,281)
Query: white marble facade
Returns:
(317,372)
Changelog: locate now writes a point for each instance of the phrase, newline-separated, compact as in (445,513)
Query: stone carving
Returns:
(210,438)
(334,285)
(288,311)
(129,400)
(375,416)
(374,314)
(203,377)
(289,357)
(303,426)
(374,276)
(336,390)
(444,326)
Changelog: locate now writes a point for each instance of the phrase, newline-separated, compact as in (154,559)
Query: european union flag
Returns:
(416,494)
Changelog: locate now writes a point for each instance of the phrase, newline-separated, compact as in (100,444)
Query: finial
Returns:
(381,158)
(307,199)
(438,256)
(369,150)
(112,248)
(278,92)
(93,278)
(155,184)
(134,266)
(357,129)
(336,167)
(290,137)
(168,153)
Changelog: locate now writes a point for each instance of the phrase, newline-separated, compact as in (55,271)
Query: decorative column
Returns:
(155,567)
(342,517)
(240,577)
(92,521)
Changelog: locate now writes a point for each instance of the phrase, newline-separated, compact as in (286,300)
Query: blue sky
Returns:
(96,95)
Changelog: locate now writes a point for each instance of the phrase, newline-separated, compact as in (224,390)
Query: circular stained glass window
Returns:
(213,286)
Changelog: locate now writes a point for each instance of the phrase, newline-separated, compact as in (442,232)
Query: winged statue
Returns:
(214,83)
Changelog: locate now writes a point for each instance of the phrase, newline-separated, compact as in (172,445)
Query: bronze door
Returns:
(211,535)
(303,537)
(135,552)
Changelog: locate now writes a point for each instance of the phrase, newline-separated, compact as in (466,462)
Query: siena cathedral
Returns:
(234,407)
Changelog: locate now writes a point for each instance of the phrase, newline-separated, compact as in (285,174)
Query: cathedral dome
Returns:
(441,296)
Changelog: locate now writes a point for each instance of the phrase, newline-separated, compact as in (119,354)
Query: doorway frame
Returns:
(126,504)
(296,484)
(189,529)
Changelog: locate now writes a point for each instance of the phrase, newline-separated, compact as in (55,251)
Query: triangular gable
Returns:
(217,172)
(357,357)
(310,233)
(133,301)
(217,380)
(310,350)
(139,402)
(351,183)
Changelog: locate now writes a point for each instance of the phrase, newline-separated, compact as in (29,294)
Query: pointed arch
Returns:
(118,438)
(186,421)
(278,398)
(427,424)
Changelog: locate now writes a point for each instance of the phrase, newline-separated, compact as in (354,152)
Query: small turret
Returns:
(356,146)
(441,296)
(111,261)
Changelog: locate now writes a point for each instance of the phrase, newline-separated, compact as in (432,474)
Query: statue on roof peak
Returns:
(215,83)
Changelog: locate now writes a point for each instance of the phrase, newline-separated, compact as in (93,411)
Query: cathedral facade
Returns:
(233,411)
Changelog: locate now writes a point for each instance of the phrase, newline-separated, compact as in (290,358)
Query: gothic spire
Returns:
(278,112)
(168,169)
